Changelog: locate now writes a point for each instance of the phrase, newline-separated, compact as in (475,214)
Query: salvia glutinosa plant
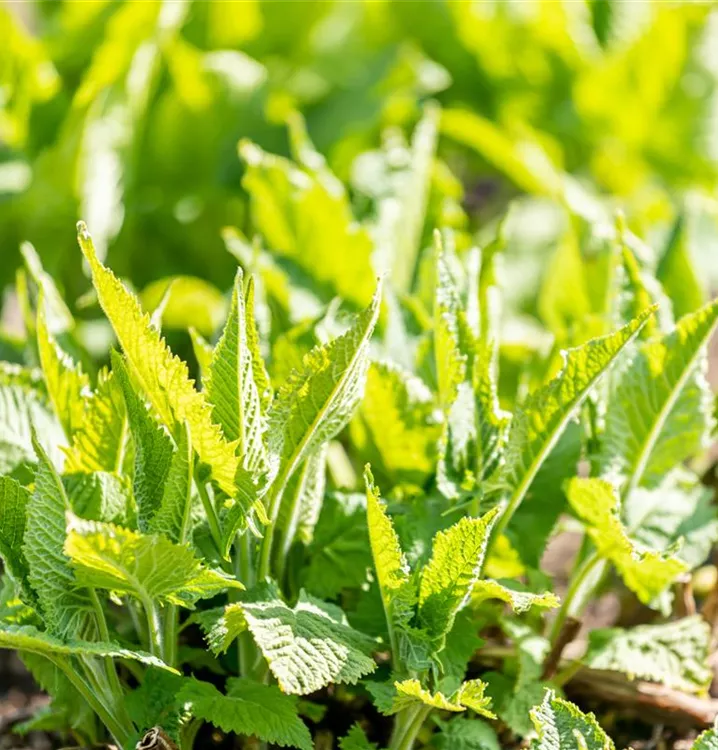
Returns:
(339,521)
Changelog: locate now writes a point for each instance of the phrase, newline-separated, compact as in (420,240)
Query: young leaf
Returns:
(519,601)
(230,385)
(29,638)
(153,449)
(469,695)
(221,626)
(309,646)
(65,608)
(67,384)
(316,403)
(449,576)
(398,592)
(173,515)
(100,496)
(356,740)
(22,407)
(677,273)
(151,568)
(249,708)
(560,725)
(14,499)
(673,653)
(99,443)
(307,218)
(162,376)
(395,427)
(658,412)
(646,572)
(538,424)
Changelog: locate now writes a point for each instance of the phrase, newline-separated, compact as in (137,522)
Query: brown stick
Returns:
(569,630)
(647,700)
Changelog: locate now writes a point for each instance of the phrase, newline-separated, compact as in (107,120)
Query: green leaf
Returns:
(99,443)
(677,273)
(155,702)
(14,499)
(339,555)
(305,216)
(673,653)
(707,740)
(65,608)
(678,514)
(67,385)
(153,449)
(221,626)
(462,733)
(100,496)
(250,709)
(395,427)
(540,421)
(173,515)
(30,639)
(316,403)
(151,568)
(519,601)
(398,591)
(309,646)
(21,408)
(163,377)
(449,577)
(659,409)
(560,725)
(469,695)
(356,740)
(231,387)
(646,572)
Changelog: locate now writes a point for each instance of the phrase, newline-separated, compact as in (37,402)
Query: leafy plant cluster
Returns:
(339,528)
(128,114)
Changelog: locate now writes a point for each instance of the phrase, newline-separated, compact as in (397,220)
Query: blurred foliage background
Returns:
(128,115)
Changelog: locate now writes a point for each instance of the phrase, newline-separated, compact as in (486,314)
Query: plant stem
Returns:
(407,730)
(110,670)
(115,726)
(212,518)
(577,580)
(154,629)
(171,630)
(246,650)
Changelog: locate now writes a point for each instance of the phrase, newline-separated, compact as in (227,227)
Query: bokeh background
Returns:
(128,115)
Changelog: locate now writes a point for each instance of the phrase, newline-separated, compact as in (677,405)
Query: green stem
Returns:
(188,733)
(171,630)
(409,728)
(247,651)
(154,629)
(212,518)
(110,670)
(265,546)
(115,726)
(585,569)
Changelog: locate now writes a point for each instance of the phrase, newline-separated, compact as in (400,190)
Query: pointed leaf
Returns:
(454,567)
(646,572)
(163,377)
(99,443)
(538,424)
(173,516)
(316,403)
(659,410)
(231,388)
(519,601)
(469,695)
(14,499)
(65,607)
